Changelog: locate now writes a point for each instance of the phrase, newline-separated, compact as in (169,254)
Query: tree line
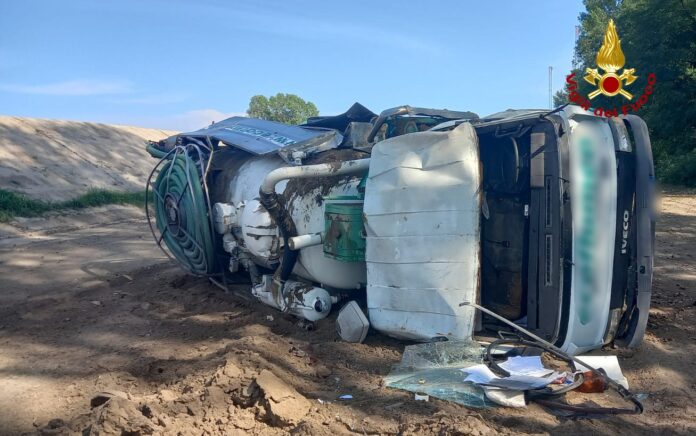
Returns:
(658,37)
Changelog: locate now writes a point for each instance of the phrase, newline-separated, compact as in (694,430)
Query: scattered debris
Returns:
(592,383)
(505,397)
(526,373)
(434,369)
(519,381)
(610,365)
(455,371)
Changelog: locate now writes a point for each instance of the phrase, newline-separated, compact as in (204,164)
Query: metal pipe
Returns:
(304,241)
(318,170)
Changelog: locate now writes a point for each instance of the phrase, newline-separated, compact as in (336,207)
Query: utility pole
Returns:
(550,88)
(576,61)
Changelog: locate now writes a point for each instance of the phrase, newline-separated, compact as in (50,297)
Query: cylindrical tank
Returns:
(304,199)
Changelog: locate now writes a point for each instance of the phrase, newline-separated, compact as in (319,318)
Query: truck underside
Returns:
(454,208)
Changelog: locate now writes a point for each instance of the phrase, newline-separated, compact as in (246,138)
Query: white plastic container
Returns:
(352,324)
(422,206)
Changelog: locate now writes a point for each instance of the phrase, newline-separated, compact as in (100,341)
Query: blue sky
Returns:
(182,64)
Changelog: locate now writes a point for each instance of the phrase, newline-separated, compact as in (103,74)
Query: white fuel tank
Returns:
(305,201)
(422,206)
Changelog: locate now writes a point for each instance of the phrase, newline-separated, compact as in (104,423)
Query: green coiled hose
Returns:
(181,210)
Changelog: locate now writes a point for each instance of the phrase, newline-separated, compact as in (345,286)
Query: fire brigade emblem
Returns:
(611,59)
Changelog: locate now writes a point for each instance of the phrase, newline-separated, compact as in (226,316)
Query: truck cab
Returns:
(566,227)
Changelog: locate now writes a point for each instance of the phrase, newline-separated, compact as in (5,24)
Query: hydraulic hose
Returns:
(537,393)
(275,207)
(154,151)
(181,209)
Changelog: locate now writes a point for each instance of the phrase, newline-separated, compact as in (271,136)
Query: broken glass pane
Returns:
(434,368)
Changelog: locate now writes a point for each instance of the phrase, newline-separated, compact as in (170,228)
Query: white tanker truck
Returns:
(542,217)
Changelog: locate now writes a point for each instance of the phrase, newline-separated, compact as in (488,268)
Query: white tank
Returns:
(305,203)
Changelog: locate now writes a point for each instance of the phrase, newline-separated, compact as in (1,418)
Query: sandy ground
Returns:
(88,305)
(59,160)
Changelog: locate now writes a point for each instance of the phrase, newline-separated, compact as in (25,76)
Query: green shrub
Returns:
(13,204)
(677,170)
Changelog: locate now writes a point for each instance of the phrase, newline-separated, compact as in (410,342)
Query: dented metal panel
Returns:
(422,206)
(262,137)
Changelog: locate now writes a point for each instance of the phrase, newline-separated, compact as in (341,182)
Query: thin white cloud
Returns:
(80,87)
(152,99)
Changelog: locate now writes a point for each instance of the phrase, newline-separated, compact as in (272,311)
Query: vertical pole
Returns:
(550,88)
(576,61)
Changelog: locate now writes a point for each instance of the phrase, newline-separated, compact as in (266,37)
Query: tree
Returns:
(657,36)
(560,97)
(283,108)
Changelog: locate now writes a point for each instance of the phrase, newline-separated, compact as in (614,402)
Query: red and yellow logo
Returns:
(611,59)
(612,81)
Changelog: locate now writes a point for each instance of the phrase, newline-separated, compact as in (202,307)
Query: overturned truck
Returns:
(542,217)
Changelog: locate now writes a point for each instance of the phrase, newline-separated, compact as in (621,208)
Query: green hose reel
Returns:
(182,208)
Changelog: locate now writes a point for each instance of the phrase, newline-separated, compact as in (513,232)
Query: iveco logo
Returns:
(624,236)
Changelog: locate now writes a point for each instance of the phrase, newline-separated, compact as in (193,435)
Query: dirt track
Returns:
(88,304)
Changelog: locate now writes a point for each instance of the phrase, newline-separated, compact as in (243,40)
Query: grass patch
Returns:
(13,204)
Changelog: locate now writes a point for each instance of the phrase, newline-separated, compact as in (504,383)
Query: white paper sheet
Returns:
(525,365)
(481,374)
(505,397)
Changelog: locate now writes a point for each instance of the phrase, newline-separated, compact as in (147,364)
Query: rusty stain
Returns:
(270,226)
(335,166)
(298,292)
(297,188)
